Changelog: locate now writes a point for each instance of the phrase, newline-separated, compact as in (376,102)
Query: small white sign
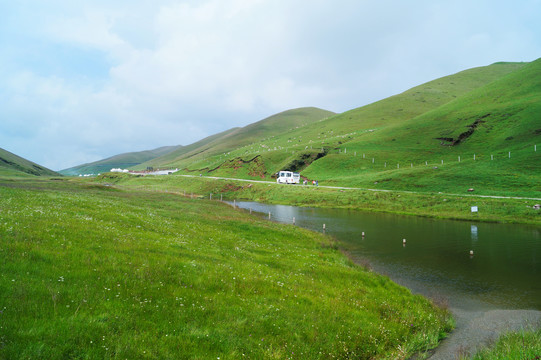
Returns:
(474,209)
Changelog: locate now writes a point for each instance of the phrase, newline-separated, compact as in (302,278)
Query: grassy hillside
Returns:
(410,141)
(169,160)
(484,139)
(13,165)
(209,154)
(122,161)
(139,274)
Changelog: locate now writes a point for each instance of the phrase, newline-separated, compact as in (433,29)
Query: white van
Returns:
(288,177)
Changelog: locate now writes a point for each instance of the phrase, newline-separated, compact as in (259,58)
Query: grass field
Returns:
(90,271)
(434,205)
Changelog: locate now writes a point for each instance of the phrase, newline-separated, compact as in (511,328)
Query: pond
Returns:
(504,271)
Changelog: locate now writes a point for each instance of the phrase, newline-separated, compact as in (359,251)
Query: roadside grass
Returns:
(515,176)
(91,271)
(524,345)
(434,205)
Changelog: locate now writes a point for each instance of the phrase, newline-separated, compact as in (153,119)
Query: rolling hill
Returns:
(13,165)
(166,161)
(123,161)
(424,139)
(218,147)
(484,139)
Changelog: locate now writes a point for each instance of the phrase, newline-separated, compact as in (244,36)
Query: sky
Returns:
(85,80)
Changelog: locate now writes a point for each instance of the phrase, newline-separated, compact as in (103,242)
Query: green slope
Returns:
(169,160)
(487,123)
(13,165)
(123,161)
(331,149)
(219,147)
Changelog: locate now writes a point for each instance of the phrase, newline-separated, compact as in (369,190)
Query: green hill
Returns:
(13,165)
(400,142)
(123,161)
(476,129)
(218,148)
(482,140)
(169,160)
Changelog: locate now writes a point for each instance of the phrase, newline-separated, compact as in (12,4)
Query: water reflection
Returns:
(474,232)
(503,272)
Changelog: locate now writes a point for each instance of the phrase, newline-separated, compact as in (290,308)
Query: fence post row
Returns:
(426,162)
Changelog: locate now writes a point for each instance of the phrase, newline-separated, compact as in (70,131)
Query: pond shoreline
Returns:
(477,325)
(479,322)
(478,329)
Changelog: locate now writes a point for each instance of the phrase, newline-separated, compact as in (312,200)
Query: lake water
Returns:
(504,272)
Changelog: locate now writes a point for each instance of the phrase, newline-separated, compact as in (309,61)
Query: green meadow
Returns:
(90,271)
(433,205)
(124,266)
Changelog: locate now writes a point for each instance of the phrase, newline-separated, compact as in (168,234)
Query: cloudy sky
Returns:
(85,80)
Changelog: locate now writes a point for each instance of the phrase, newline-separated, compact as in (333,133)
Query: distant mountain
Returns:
(168,160)
(13,165)
(123,161)
(223,143)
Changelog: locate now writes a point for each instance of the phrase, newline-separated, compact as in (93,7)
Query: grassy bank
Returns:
(435,205)
(90,271)
(516,346)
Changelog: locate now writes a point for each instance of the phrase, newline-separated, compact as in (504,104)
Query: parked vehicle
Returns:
(288,177)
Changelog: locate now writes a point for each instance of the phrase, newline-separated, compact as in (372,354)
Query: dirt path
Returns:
(366,189)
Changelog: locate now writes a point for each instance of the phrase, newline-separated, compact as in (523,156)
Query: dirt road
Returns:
(366,189)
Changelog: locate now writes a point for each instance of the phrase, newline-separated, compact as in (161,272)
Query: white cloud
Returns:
(171,72)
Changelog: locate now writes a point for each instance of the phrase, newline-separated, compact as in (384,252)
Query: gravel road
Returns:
(366,189)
